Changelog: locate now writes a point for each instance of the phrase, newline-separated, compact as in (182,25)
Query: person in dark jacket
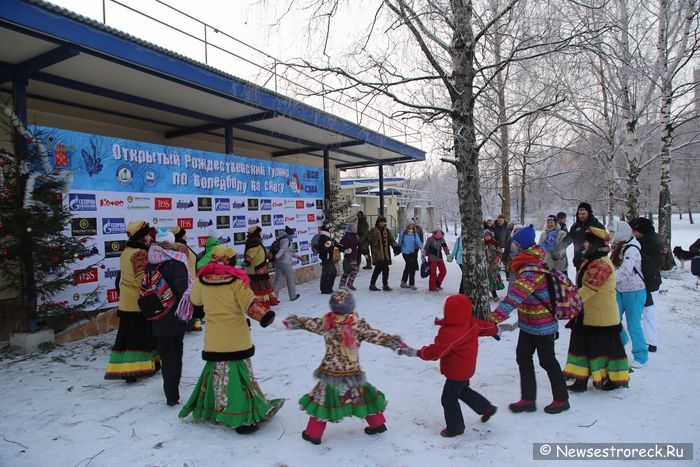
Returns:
(577,235)
(643,230)
(456,346)
(381,243)
(326,245)
(561,220)
(169,331)
(351,243)
(362,232)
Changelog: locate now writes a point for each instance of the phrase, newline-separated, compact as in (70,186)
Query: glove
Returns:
(450,258)
(328,244)
(397,250)
(507,327)
(407,351)
(279,324)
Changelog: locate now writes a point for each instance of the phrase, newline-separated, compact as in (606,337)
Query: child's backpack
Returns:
(563,294)
(315,243)
(156,298)
(424,269)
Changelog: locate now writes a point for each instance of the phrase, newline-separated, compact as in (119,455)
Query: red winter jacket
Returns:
(457,341)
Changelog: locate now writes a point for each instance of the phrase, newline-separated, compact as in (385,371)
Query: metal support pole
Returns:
(327,183)
(381,189)
(229,139)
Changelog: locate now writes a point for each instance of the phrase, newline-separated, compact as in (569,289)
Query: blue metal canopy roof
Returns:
(80,67)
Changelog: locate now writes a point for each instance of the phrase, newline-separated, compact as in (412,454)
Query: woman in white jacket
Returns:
(631,294)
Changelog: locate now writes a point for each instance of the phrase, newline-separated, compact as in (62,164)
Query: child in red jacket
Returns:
(456,346)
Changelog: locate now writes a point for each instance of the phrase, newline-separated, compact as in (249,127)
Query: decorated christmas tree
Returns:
(338,207)
(36,255)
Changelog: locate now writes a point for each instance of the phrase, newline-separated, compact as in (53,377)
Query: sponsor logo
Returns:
(237,204)
(277,204)
(163,220)
(304,246)
(289,218)
(305,259)
(310,189)
(301,217)
(277,219)
(310,204)
(320,217)
(319,204)
(203,204)
(61,156)
(88,251)
(184,204)
(110,273)
(253,221)
(83,276)
(300,204)
(163,204)
(185,222)
(124,175)
(223,222)
(111,202)
(223,239)
(202,241)
(131,199)
(81,202)
(201,223)
(290,203)
(312,175)
(114,248)
(267,235)
(239,222)
(222,204)
(83,226)
(239,238)
(141,202)
(314,258)
(150,178)
(266,205)
(311,218)
(113,226)
(112,295)
(253,204)
(301,232)
(266,220)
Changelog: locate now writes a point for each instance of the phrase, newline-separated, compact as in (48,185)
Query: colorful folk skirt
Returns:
(261,285)
(134,353)
(228,393)
(599,355)
(326,402)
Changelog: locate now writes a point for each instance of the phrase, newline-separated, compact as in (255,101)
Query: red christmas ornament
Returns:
(5,252)
(102,266)
(55,172)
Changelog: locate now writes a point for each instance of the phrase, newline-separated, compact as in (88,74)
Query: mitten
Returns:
(267,319)
(450,258)
(407,351)
(507,327)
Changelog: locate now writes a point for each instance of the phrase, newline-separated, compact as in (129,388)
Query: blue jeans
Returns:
(631,305)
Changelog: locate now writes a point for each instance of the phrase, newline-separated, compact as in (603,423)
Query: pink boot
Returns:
(314,431)
(376,424)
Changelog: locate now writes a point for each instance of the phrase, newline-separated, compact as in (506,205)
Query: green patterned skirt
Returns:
(325,402)
(227,393)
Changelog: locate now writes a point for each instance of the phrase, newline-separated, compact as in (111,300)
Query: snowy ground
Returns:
(57,410)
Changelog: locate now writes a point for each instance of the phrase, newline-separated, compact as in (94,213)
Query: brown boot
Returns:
(373,287)
(386,288)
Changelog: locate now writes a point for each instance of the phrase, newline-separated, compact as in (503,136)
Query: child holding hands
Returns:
(456,346)
(342,390)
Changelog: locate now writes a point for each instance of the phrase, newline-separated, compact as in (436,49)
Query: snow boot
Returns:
(376,424)
(247,429)
(404,285)
(386,288)
(448,434)
(609,386)
(578,386)
(488,413)
(557,407)
(373,288)
(314,431)
(651,348)
(522,406)
(308,438)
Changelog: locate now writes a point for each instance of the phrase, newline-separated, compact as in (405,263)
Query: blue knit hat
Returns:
(525,238)
(342,302)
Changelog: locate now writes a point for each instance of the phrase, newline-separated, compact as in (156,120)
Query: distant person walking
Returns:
(284,264)
(363,232)
(410,244)
(382,244)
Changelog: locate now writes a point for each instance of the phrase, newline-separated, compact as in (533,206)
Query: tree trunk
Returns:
(667,261)
(523,179)
(474,279)
(690,214)
(504,137)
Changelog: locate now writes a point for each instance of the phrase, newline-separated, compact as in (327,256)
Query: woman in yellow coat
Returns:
(227,391)
(595,348)
(134,353)
(255,261)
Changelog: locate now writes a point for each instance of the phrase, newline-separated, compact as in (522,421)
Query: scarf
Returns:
(158,255)
(550,240)
(346,328)
(219,270)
